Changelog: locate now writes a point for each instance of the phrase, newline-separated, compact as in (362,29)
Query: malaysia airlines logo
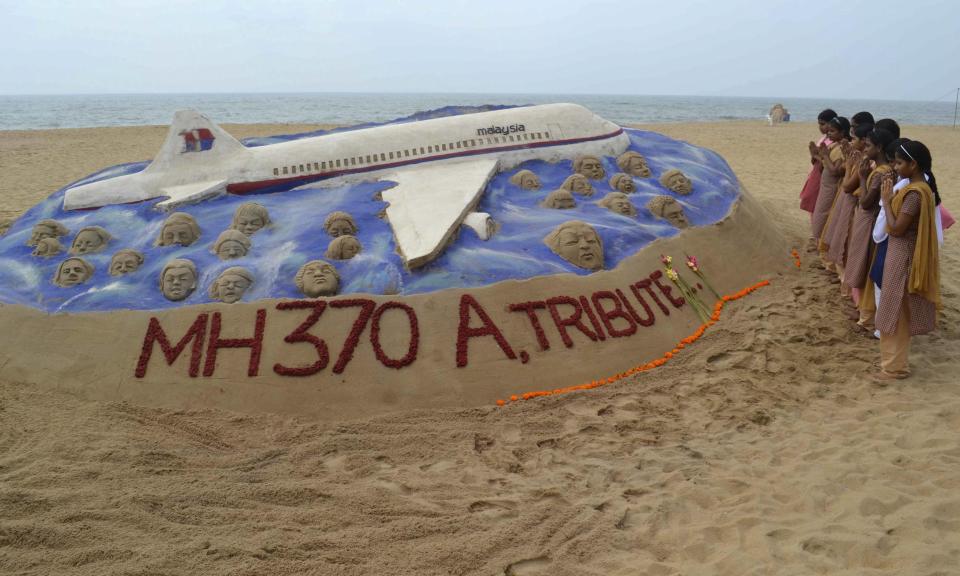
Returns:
(197,140)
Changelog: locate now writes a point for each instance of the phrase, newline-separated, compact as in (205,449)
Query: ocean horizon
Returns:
(38,112)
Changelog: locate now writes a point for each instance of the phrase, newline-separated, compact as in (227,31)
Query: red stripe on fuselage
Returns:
(252,187)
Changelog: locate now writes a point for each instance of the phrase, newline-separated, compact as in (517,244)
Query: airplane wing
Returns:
(429,203)
(189,193)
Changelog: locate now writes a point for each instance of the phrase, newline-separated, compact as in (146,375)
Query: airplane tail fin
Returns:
(194,140)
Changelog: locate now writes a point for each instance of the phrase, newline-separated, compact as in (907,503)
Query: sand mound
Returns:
(761,449)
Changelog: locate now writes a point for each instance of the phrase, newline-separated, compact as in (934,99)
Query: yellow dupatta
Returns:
(924,278)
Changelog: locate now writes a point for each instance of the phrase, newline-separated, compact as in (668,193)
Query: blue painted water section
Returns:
(516,251)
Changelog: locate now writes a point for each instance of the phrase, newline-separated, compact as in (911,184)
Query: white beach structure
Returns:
(441,166)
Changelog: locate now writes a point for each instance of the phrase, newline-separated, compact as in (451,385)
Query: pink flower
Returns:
(667,260)
(692,263)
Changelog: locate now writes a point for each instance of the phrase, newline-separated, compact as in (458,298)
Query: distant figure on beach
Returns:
(778,114)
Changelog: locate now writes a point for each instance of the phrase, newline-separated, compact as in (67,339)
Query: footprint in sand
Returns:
(529,567)
(726,360)
(944,518)
(494,508)
(482,443)
(876,507)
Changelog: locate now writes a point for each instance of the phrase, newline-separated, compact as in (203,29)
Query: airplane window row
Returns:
(407,153)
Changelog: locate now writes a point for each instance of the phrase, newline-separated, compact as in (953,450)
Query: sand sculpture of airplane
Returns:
(440,166)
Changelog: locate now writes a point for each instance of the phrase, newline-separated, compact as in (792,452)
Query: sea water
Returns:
(77,111)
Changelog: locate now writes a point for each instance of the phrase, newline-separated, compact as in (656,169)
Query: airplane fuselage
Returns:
(198,162)
(550,132)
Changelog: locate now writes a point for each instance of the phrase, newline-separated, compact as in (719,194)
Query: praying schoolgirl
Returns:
(838,230)
(811,188)
(910,284)
(871,171)
(832,159)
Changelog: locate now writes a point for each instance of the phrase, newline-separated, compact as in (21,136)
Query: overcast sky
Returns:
(884,49)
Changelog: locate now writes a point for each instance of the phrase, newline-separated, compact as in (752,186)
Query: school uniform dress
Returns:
(839,229)
(811,188)
(826,195)
(860,246)
(903,313)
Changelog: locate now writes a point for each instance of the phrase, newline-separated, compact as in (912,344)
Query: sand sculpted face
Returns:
(577,243)
(179,228)
(73,271)
(231,244)
(622,182)
(340,224)
(178,279)
(46,229)
(249,218)
(343,248)
(125,262)
(525,179)
(667,208)
(90,240)
(676,181)
(317,278)
(620,203)
(634,164)
(231,284)
(559,200)
(47,247)
(589,166)
(578,184)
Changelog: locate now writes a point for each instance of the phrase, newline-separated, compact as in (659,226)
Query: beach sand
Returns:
(761,449)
